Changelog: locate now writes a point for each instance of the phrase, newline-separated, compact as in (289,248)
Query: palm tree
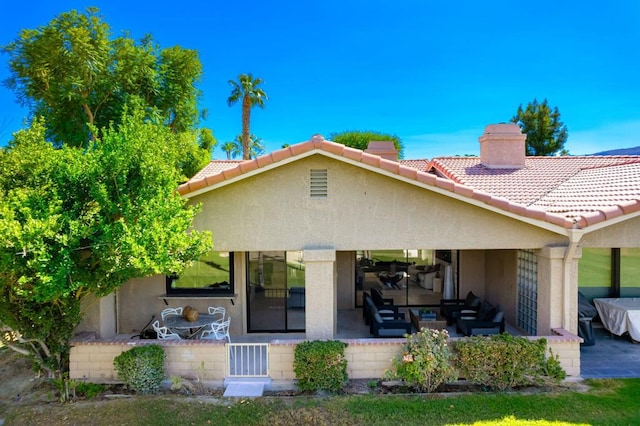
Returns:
(246,88)
(256,148)
(228,148)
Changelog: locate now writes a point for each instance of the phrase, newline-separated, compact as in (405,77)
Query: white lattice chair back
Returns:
(171,311)
(164,332)
(218,311)
(218,331)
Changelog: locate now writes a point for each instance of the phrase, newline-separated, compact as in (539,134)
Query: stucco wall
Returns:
(363,210)
(140,300)
(501,277)
(624,234)
(346,266)
(472,272)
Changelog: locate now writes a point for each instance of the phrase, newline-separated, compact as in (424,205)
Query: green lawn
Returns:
(211,268)
(608,402)
(594,269)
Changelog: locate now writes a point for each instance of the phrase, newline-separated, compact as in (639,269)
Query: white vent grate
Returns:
(318,183)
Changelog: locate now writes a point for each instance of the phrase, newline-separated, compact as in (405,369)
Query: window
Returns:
(527,291)
(212,274)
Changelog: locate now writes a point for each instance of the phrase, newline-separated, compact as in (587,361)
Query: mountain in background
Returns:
(623,151)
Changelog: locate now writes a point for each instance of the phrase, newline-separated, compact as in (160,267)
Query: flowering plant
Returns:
(425,362)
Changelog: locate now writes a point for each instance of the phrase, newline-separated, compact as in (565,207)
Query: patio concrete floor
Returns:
(611,357)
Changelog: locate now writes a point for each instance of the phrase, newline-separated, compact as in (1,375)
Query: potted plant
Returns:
(426,313)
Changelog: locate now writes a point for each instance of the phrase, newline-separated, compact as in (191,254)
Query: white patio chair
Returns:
(171,311)
(218,331)
(164,332)
(218,311)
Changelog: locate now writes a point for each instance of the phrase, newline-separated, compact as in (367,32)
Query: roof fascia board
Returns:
(612,221)
(255,172)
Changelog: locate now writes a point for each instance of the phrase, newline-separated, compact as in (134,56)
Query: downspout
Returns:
(575,235)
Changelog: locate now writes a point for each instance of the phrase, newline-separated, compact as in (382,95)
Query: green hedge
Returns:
(503,361)
(320,365)
(141,368)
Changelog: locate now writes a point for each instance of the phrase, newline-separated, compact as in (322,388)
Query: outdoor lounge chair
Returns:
(451,309)
(389,328)
(369,308)
(379,300)
(488,320)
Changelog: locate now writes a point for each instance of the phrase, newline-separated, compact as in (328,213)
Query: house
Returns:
(294,232)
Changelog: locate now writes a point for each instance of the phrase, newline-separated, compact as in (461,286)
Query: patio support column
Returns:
(107,324)
(557,290)
(320,293)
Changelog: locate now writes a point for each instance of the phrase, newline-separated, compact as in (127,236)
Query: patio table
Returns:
(620,315)
(189,329)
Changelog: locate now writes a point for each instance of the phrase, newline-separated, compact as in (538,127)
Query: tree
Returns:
(229,148)
(546,134)
(80,79)
(360,139)
(256,148)
(246,89)
(78,222)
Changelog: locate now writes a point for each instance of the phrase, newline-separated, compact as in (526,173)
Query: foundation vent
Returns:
(318,183)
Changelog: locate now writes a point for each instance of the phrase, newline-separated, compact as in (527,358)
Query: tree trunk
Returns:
(246,111)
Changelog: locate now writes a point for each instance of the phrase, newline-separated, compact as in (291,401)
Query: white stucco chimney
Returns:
(502,146)
(385,149)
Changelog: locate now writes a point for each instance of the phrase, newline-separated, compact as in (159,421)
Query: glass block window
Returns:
(527,291)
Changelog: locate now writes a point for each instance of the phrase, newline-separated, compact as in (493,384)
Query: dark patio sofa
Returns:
(385,321)
(369,308)
(451,309)
(489,319)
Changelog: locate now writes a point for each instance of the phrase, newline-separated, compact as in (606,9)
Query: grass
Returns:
(213,267)
(608,402)
(594,269)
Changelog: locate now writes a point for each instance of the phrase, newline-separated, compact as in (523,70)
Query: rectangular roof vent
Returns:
(318,179)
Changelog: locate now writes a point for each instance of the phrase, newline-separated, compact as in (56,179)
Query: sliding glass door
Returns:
(276,292)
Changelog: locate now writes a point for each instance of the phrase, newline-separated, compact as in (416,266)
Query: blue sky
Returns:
(435,73)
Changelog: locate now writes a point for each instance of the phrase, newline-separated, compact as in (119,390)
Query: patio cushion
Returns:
(471,300)
(498,316)
(486,312)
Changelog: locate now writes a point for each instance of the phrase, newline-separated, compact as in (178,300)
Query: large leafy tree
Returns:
(546,133)
(75,222)
(247,90)
(73,72)
(360,139)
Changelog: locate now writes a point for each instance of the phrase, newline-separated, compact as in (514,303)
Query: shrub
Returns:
(321,365)
(141,368)
(503,362)
(426,361)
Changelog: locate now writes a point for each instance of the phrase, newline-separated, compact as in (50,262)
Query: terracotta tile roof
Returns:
(524,186)
(565,191)
(215,167)
(607,190)
(584,188)
(416,164)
